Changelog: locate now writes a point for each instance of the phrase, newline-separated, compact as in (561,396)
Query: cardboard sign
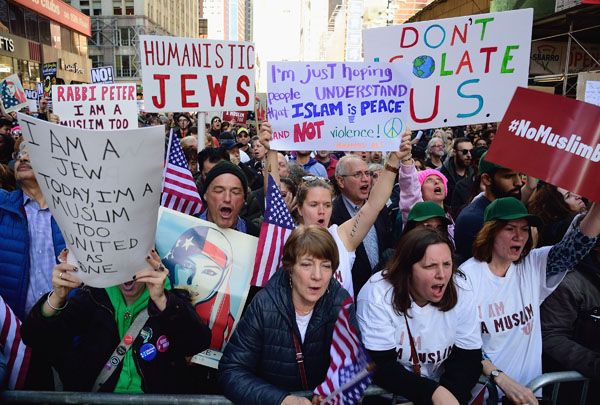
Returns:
(96,106)
(337,105)
(12,94)
(592,92)
(563,136)
(102,75)
(32,99)
(466,69)
(236,117)
(188,74)
(201,258)
(103,189)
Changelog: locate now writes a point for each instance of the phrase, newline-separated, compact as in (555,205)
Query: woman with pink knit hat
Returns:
(427,185)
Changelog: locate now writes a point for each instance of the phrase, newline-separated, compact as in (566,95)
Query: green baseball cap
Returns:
(510,208)
(422,211)
(488,167)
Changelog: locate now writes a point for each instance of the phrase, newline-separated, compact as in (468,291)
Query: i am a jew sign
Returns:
(187,74)
(96,106)
(103,189)
(337,105)
(466,69)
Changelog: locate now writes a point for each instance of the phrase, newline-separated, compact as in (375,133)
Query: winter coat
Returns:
(259,363)
(82,337)
(14,250)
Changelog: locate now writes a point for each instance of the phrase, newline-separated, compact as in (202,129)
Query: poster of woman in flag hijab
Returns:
(201,259)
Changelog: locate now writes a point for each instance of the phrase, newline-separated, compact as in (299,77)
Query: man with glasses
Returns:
(30,240)
(215,127)
(354,182)
(243,139)
(435,154)
(458,166)
(184,123)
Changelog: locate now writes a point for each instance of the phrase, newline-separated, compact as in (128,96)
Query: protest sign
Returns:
(102,75)
(12,94)
(337,105)
(188,74)
(466,69)
(561,133)
(32,99)
(49,76)
(592,92)
(260,106)
(236,117)
(201,258)
(96,106)
(103,189)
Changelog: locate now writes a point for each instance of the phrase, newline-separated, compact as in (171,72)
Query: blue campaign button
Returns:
(148,352)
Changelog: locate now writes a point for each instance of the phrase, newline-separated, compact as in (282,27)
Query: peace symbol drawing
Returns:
(393,128)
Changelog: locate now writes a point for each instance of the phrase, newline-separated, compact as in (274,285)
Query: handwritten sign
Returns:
(32,99)
(592,92)
(102,75)
(188,74)
(103,189)
(96,106)
(337,105)
(563,134)
(466,69)
(201,258)
(12,94)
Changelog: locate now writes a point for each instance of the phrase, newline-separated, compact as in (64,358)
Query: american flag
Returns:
(350,371)
(274,231)
(179,190)
(15,352)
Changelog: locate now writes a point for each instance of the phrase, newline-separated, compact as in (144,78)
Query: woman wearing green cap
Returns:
(510,280)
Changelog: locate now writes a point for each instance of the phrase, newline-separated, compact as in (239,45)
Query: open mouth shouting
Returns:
(128,286)
(437,291)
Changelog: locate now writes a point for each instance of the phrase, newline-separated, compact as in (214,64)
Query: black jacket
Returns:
(362,270)
(453,178)
(259,363)
(81,338)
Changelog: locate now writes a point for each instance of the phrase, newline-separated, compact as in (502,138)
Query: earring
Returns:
(290,283)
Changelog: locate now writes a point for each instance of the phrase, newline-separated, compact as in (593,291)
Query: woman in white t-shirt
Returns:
(510,281)
(315,196)
(414,306)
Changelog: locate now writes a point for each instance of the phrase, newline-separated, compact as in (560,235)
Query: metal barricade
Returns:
(559,377)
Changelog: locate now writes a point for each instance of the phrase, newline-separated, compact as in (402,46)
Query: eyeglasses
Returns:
(20,154)
(465,151)
(437,146)
(358,175)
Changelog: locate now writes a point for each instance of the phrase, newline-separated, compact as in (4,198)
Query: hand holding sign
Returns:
(103,189)
(155,278)
(64,280)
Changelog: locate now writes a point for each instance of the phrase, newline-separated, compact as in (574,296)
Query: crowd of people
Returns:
(456,267)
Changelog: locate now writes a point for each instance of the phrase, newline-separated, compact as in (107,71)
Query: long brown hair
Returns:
(410,250)
(483,246)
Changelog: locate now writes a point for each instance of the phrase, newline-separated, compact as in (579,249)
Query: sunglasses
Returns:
(465,151)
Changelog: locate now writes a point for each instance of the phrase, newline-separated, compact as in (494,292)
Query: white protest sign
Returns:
(337,105)
(188,74)
(466,69)
(32,99)
(103,189)
(96,106)
(103,75)
(592,92)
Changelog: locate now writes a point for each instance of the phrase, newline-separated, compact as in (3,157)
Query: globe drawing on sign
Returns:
(423,66)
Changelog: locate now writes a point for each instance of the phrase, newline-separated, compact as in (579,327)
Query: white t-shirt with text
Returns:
(434,332)
(508,310)
(343,273)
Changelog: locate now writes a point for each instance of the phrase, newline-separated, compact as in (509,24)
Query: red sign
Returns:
(239,117)
(60,12)
(552,138)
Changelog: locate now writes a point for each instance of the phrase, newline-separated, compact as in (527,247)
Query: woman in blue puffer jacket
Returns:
(299,305)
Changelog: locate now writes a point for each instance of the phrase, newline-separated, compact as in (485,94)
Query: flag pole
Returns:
(370,367)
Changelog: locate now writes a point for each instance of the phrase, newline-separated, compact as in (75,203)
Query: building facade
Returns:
(116,25)
(32,35)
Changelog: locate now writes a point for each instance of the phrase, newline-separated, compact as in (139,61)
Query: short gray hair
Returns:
(340,169)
